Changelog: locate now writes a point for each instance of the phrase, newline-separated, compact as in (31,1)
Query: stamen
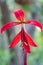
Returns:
(22,22)
(25,43)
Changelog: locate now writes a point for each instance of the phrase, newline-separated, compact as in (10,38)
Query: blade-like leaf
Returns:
(19,14)
(8,25)
(26,47)
(35,23)
(15,41)
(29,40)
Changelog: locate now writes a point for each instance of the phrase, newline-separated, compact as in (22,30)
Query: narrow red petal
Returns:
(8,25)
(29,40)
(27,48)
(35,23)
(15,41)
(19,14)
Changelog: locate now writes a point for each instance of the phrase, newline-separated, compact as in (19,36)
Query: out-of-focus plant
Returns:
(23,2)
(4,57)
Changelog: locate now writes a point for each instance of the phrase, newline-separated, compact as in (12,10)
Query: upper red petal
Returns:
(8,25)
(29,40)
(19,14)
(34,22)
(27,48)
(16,39)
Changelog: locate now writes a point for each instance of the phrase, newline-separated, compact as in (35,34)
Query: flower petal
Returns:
(16,39)
(8,25)
(35,23)
(19,14)
(29,40)
(27,48)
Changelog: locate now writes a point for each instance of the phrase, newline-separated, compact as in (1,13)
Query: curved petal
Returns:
(19,14)
(35,23)
(15,41)
(27,48)
(29,40)
(8,25)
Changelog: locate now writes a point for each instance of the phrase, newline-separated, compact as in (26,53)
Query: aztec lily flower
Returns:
(22,35)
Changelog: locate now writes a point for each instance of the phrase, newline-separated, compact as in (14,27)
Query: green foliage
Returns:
(41,1)
(26,7)
(36,57)
(4,57)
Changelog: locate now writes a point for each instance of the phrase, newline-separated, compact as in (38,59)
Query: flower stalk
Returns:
(22,41)
(25,58)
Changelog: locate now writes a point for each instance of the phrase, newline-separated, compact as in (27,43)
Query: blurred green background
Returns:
(33,10)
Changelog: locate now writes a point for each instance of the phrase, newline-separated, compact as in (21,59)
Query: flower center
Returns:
(22,22)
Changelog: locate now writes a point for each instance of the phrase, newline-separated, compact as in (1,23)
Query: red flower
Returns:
(22,35)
